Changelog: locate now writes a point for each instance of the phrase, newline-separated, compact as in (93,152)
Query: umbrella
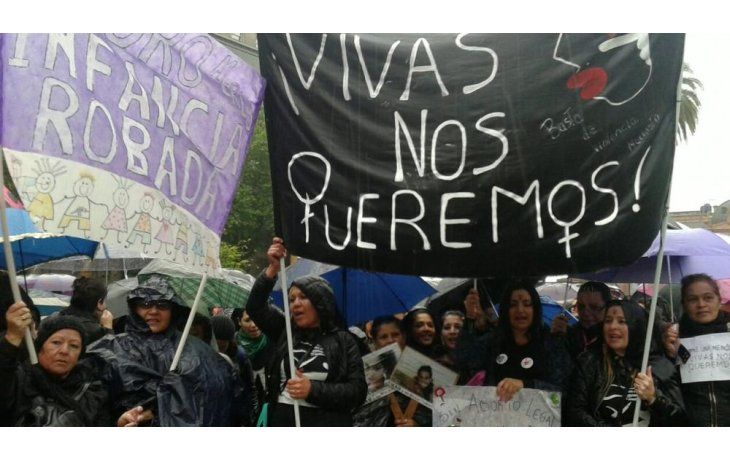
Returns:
(116,296)
(106,259)
(60,284)
(220,290)
(688,251)
(48,302)
(31,246)
(361,295)
(558,291)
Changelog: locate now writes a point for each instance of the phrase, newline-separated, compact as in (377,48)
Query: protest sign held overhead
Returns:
(136,140)
(503,154)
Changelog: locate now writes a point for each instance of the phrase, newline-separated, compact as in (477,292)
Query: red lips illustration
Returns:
(591,82)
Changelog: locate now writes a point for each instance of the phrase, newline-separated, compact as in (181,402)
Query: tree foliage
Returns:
(250,225)
(689,105)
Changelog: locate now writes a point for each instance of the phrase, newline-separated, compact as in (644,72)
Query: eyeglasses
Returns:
(162,305)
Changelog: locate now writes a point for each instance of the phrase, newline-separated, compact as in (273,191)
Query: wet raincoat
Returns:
(135,366)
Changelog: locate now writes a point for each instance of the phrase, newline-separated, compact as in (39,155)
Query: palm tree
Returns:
(689,105)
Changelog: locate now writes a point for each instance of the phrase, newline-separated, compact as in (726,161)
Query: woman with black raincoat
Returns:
(135,366)
(330,380)
(607,383)
(62,389)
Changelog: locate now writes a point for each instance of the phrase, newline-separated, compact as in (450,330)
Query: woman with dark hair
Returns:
(419,328)
(707,403)
(330,380)
(386,330)
(61,389)
(87,304)
(452,322)
(521,353)
(606,384)
(135,365)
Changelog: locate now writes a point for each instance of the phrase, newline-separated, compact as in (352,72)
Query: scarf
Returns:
(251,346)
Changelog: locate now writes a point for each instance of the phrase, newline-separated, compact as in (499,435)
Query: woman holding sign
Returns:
(606,384)
(521,353)
(707,402)
(330,380)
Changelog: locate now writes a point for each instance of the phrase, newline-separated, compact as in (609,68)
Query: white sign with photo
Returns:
(709,358)
(419,377)
(379,365)
(480,406)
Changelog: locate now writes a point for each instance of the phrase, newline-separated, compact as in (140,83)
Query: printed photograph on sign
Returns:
(418,377)
(480,406)
(379,366)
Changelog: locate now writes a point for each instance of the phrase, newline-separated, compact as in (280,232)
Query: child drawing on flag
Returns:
(79,210)
(116,220)
(143,227)
(41,208)
(164,235)
(181,240)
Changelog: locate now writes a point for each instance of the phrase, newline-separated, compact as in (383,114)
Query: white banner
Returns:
(709,358)
(480,406)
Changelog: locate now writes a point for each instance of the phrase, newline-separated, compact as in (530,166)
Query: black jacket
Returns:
(344,389)
(30,397)
(135,366)
(589,378)
(708,403)
(549,370)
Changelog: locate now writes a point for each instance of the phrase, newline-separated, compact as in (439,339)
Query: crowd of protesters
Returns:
(234,369)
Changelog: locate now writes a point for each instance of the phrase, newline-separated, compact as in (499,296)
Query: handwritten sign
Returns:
(379,365)
(709,358)
(136,140)
(503,154)
(421,378)
(480,406)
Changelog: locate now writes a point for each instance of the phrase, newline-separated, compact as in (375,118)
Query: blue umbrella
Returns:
(361,295)
(31,247)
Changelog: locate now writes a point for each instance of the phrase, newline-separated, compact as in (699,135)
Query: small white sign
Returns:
(709,358)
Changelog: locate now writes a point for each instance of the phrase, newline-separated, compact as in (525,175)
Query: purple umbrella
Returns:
(686,251)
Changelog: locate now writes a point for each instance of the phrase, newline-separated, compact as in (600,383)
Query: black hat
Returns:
(320,293)
(55,323)
(223,327)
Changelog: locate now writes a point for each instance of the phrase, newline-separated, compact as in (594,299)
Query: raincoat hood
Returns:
(320,293)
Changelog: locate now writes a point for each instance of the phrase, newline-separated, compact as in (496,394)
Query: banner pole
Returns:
(189,323)
(289,338)
(671,295)
(660,259)
(8,250)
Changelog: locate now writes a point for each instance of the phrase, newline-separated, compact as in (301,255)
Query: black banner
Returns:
(469,154)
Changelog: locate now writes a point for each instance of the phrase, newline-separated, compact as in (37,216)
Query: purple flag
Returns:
(137,140)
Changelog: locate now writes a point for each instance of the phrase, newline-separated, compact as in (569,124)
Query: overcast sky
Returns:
(702,165)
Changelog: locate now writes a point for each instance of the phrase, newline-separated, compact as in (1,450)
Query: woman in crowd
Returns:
(707,403)
(259,350)
(135,365)
(452,322)
(87,304)
(330,380)
(420,331)
(386,330)
(606,384)
(521,353)
(62,389)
